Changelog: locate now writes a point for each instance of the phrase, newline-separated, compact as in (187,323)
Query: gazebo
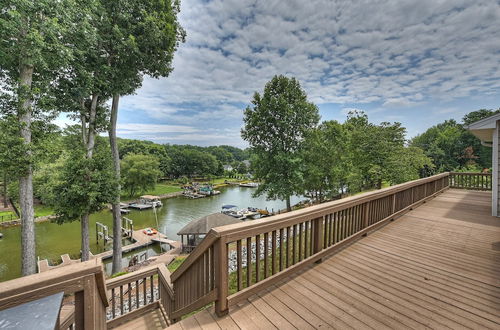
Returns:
(196,230)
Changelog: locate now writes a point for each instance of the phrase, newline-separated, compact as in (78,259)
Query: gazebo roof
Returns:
(203,225)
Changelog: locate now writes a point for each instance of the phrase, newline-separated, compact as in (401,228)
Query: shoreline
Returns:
(17,222)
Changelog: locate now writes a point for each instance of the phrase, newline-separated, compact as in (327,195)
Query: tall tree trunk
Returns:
(288,205)
(26,179)
(5,202)
(117,220)
(90,143)
(85,237)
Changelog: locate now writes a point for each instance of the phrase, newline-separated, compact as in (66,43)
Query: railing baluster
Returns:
(129,297)
(249,261)
(257,258)
(137,294)
(300,241)
(238,263)
(121,299)
(113,302)
(294,242)
(281,250)
(152,289)
(144,299)
(273,253)
(266,254)
(287,258)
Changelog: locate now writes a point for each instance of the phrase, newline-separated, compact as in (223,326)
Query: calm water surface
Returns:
(53,240)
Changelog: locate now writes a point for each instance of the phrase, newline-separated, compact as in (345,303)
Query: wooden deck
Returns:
(436,267)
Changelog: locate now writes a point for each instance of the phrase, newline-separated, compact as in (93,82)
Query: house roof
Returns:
(203,225)
(483,129)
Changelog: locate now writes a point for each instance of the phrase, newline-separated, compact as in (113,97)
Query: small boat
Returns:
(124,211)
(151,200)
(232,211)
(249,184)
(150,231)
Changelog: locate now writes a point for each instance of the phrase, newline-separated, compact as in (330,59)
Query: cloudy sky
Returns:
(416,62)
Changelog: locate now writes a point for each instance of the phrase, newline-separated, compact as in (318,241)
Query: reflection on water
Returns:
(53,240)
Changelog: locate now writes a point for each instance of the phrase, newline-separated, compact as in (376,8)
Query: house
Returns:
(487,130)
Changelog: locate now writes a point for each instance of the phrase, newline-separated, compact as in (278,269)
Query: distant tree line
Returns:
(452,147)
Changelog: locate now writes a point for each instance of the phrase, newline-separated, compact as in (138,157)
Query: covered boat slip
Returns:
(437,266)
(196,230)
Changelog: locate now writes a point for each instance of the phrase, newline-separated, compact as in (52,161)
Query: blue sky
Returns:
(415,62)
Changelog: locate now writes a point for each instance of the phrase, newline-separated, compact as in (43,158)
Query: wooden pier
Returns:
(141,240)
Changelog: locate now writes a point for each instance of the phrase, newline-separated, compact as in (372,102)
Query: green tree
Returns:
(139,38)
(370,147)
(324,154)
(275,127)
(139,173)
(79,186)
(406,164)
(33,53)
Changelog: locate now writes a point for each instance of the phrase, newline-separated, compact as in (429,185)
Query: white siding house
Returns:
(487,130)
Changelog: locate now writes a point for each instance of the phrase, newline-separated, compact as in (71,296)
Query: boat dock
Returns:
(141,240)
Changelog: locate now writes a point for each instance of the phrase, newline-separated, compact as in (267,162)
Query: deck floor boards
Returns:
(436,267)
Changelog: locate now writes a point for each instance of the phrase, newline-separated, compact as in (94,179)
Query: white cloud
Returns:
(397,54)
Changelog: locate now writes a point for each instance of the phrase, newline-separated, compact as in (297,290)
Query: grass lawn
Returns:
(40,211)
(160,189)
(176,263)
(43,210)
(6,213)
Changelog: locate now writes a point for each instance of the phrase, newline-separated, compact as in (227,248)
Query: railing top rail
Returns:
(132,277)
(245,229)
(208,241)
(68,279)
(470,173)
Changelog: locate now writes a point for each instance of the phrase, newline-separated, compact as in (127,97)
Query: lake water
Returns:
(53,240)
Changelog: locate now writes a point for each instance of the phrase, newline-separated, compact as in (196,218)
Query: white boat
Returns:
(151,200)
(249,185)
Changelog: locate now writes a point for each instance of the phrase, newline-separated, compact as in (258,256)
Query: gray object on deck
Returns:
(40,314)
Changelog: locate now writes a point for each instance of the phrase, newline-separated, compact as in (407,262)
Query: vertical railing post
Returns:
(221,280)
(393,203)
(317,235)
(366,215)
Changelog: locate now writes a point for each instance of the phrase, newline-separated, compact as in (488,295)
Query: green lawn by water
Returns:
(160,189)
(40,211)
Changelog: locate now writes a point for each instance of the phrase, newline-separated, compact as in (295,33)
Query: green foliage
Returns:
(190,161)
(77,185)
(324,153)
(406,164)
(127,146)
(451,146)
(139,173)
(275,127)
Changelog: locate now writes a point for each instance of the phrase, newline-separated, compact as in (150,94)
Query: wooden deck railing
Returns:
(139,292)
(232,262)
(235,261)
(472,181)
(83,280)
